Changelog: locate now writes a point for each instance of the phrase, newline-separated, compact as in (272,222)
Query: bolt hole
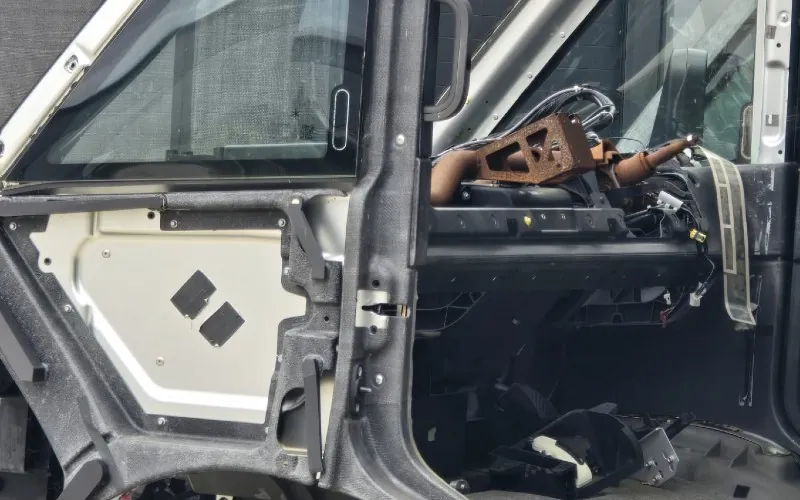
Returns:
(72,64)
(151,215)
(780,151)
(326,319)
(779,45)
(376,283)
(47,261)
(373,330)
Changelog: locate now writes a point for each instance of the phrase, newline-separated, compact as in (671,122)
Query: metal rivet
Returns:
(72,64)
(543,216)
(495,117)
(161,421)
(160,361)
(530,76)
(281,222)
(173,224)
(465,195)
(67,308)
(13,226)
(106,253)
(400,139)
(379,379)
(562,35)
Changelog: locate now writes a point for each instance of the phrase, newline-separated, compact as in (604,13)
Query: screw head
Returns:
(173,224)
(281,222)
(785,17)
(160,361)
(530,76)
(379,379)
(400,140)
(465,195)
(161,421)
(495,117)
(67,308)
(562,35)
(106,253)
(13,226)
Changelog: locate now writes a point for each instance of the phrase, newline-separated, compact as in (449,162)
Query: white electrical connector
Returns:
(697,295)
(671,203)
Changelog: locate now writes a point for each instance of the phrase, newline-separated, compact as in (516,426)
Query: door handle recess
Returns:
(456,95)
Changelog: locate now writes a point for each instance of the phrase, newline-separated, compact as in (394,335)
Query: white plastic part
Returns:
(549,446)
(672,204)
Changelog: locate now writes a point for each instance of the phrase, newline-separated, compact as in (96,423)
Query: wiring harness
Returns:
(598,119)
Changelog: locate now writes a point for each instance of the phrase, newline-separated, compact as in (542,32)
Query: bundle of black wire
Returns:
(597,120)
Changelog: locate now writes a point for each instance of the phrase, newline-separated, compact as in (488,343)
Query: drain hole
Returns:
(47,261)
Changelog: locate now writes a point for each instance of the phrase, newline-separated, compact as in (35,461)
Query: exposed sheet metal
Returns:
(508,63)
(733,235)
(120,271)
(771,85)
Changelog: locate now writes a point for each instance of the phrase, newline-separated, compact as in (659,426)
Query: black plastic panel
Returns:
(192,297)
(220,326)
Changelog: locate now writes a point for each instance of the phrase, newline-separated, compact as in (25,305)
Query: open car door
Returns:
(210,219)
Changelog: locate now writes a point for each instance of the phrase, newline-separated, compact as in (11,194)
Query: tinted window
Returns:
(215,88)
(672,67)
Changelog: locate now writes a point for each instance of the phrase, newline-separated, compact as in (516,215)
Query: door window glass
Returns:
(214,88)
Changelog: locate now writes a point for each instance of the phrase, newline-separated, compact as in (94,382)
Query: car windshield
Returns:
(673,68)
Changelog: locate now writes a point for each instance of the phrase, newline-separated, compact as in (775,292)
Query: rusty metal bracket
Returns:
(548,151)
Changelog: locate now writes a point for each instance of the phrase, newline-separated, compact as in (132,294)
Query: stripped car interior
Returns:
(331,249)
